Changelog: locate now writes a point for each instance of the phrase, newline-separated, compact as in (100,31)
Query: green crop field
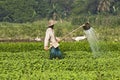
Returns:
(23,25)
(28,61)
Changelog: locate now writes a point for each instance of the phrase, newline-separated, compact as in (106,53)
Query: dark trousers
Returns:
(55,53)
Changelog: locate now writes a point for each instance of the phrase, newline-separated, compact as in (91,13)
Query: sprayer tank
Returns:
(86,26)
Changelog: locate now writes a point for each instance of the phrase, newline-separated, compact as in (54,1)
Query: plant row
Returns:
(31,68)
(36,62)
(64,46)
(38,54)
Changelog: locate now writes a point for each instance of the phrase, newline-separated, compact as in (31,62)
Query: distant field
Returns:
(29,31)
(28,61)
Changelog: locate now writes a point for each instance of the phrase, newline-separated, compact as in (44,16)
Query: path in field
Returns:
(77,65)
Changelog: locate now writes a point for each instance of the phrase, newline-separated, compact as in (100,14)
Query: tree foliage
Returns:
(29,10)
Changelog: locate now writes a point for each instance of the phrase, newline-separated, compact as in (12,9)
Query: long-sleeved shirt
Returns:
(49,37)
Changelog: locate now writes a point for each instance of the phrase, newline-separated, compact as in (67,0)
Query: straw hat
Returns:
(51,22)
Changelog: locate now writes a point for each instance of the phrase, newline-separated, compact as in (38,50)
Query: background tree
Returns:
(85,7)
(18,10)
(41,8)
(30,10)
(107,6)
(116,7)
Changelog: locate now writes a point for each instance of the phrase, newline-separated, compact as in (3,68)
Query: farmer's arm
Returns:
(46,40)
(58,39)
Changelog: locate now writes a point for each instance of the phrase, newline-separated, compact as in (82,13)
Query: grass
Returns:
(37,29)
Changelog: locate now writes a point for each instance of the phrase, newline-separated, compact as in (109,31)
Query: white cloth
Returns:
(49,37)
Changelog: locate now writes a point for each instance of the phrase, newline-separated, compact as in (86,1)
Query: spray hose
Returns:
(85,26)
(71,32)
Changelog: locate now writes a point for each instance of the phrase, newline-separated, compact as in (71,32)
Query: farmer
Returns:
(50,38)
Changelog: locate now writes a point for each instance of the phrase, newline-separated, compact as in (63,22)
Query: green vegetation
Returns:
(31,10)
(31,62)
(27,19)
(106,28)
(65,46)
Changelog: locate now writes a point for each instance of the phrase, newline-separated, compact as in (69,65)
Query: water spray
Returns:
(91,37)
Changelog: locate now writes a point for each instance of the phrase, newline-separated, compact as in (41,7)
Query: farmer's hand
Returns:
(58,39)
(46,48)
